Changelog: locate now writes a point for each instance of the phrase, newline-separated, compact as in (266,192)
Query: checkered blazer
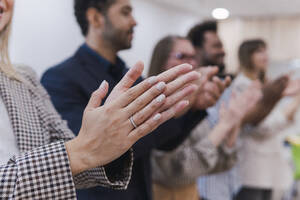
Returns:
(42,171)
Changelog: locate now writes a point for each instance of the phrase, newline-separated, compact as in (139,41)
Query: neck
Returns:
(104,48)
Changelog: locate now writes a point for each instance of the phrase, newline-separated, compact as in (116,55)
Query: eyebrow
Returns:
(127,8)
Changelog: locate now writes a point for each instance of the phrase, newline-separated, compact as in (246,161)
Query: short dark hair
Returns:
(247,49)
(161,54)
(196,34)
(81,7)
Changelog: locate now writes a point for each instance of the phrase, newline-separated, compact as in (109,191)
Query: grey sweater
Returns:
(195,157)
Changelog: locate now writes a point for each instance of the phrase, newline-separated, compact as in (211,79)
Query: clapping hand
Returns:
(128,114)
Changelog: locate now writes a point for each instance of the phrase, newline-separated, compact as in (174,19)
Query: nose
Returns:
(133,22)
(222,51)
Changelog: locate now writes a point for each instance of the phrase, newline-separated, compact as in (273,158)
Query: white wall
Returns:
(45,31)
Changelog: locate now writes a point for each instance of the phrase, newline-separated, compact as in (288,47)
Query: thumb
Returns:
(212,71)
(207,74)
(227,81)
(98,96)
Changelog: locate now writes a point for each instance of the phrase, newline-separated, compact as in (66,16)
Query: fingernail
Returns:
(157,117)
(160,86)
(160,98)
(102,86)
(152,80)
(186,103)
(190,66)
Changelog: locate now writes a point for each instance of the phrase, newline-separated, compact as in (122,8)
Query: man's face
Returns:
(212,52)
(119,25)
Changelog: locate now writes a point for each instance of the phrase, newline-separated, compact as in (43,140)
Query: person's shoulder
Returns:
(28,75)
(64,70)
(26,72)
(241,83)
(71,64)
(66,65)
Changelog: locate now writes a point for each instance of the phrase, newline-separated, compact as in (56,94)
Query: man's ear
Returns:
(94,18)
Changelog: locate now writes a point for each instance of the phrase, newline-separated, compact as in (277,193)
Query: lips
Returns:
(1,9)
(130,32)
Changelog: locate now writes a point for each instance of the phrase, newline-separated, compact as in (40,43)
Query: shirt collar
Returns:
(102,61)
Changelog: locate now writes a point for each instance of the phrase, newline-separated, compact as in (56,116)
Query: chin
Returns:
(127,46)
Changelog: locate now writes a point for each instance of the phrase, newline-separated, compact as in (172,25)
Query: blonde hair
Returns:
(5,64)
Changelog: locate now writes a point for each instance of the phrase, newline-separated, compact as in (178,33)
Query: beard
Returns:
(221,66)
(119,39)
(214,60)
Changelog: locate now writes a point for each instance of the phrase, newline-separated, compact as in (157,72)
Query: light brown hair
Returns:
(246,50)
(161,54)
(5,64)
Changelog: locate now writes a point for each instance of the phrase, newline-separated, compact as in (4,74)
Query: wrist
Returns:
(227,125)
(221,130)
(231,140)
(230,143)
(78,157)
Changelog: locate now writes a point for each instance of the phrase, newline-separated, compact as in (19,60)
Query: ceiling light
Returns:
(220,13)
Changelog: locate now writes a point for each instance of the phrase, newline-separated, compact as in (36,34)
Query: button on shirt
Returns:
(8,142)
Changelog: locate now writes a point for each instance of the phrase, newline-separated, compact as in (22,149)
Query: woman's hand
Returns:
(291,109)
(107,131)
(293,88)
(231,117)
(272,92)
(210,89)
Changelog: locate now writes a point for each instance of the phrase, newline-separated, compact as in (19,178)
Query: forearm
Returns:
(258,114)
(219,132)
(184,165)
(195,157)
(272,94)
(292,109)
(79,161)
(180,130)
(225,161)
(270,126)
(169,135)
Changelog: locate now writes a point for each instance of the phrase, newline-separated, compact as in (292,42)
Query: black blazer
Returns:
(70,85)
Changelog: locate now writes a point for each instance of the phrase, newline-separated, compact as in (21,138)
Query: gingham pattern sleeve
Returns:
(59,130)
(43,173)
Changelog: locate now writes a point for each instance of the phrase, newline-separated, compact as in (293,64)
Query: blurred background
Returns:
(45,32)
